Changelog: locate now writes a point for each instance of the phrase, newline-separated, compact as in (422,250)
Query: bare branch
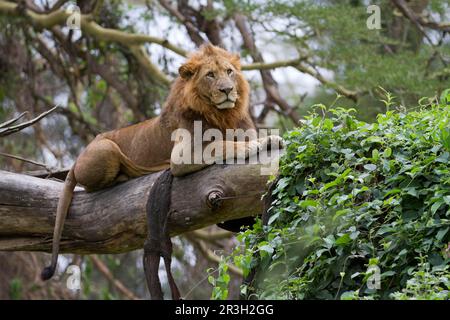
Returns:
(418,21)
(10,122)
(141,56)
(193,32)
(26,160)
(353,95)
(211,256)
(408,13)
(104,270)
(10,130)
(113,220)
(89,26)
(269,83)
(59,174)
(273,65)
(71,115)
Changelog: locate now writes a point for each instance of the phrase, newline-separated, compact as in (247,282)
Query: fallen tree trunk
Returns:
(113,220)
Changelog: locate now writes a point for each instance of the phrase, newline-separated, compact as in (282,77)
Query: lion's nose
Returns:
(226,90)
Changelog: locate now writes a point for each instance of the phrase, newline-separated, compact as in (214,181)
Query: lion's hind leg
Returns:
(132,170)
(103,164)
(98,166)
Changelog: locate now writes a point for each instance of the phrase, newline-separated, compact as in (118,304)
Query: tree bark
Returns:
(114,220)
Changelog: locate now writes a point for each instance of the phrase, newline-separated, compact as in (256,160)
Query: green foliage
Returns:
(426,284)
(87,278)
(15,289)
(395,56)
(353,195)
(220,284)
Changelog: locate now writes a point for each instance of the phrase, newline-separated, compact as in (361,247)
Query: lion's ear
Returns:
(186,71)
(236,61)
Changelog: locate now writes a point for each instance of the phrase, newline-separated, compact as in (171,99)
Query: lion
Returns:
(210,88)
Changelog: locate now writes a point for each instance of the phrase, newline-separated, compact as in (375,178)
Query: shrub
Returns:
(355,203)
(426,284)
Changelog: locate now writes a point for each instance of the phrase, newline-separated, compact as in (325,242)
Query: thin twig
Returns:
(26,160)
(210,255)
(110,277)
(10,122)
(269,84)
(10,130)
(417,21)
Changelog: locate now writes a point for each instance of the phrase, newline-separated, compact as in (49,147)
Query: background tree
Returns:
(116,71)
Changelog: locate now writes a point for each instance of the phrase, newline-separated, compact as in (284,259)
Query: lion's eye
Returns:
(229,71)
(210,74)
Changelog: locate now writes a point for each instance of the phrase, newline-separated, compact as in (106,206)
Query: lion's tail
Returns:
(61,213)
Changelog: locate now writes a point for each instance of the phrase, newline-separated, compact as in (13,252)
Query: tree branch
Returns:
(269,83)
(141,56)
(273,65)
(193,32)
(39,164)
(13,120)
(211,256)
(89,26)
(409,14)
(5,131)
(104,270)
(114,220)
(353,95)
(418,20)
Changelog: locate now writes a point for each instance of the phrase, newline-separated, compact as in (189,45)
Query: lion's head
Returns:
(214,86)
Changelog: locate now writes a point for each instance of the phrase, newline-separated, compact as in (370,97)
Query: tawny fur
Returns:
(146,147)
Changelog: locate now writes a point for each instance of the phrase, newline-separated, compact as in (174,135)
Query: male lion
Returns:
(210,88)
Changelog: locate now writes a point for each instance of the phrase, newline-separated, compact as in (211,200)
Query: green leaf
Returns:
(435,207)
(273,217)
(393,191)
(265,249)
(370,167)
(343,240)
(349,295)
(387,274)
(308,203)
(375,155)
(443,158)
(440,235)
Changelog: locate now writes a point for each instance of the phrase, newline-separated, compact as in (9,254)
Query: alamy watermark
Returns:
(238,146)
(73,22)
(74,280)
(374,280)
(374,20)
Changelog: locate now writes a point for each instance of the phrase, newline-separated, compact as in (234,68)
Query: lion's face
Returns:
(217,83)
(214,75)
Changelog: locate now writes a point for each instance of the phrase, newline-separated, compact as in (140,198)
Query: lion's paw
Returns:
(253,147)
(271,142)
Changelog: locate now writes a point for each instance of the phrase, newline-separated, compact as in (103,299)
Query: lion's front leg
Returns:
(253,147)
(183,159)
(218,152)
